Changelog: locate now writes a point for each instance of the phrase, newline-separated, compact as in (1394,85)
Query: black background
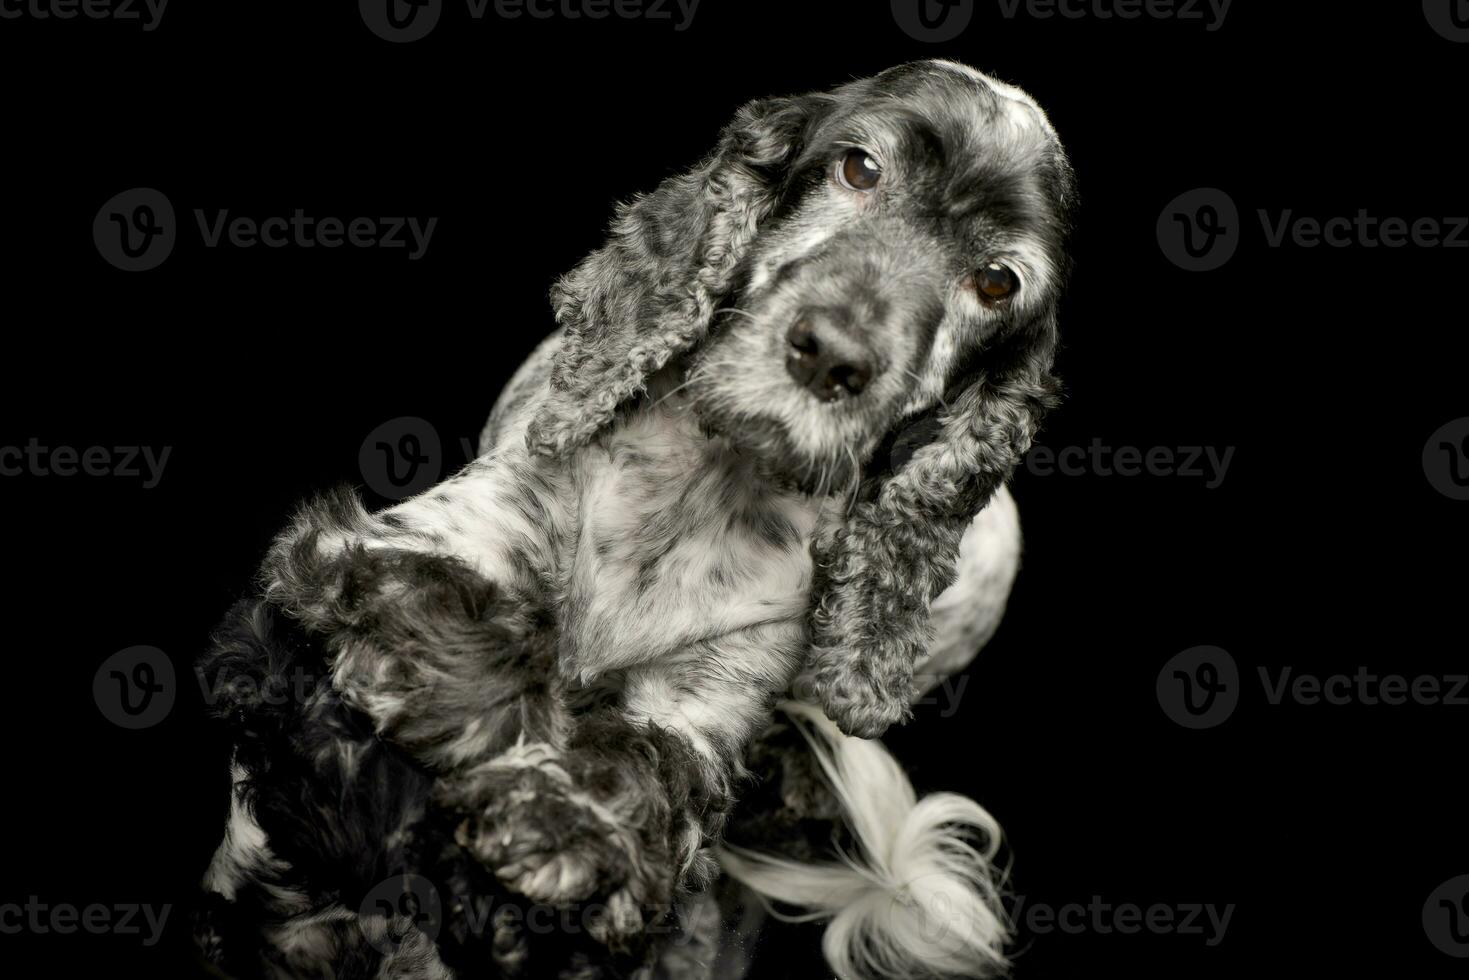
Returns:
(1325,548)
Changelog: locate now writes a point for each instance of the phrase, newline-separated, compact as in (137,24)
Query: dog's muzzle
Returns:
(853,309)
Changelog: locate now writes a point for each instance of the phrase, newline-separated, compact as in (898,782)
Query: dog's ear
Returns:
(876,572)
(650,292)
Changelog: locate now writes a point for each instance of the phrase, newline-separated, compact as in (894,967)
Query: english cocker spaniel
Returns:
(740,470)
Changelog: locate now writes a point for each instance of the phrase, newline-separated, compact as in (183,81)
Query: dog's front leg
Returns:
(711,700)
(594,827)
(436,613)
(623,817)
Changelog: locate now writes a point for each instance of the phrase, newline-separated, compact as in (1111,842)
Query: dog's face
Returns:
(919,218)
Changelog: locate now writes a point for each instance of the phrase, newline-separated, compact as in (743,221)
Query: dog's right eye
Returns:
(857,171)
(995,282)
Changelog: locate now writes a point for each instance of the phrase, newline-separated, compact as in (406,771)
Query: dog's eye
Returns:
(857,171)
(995,281)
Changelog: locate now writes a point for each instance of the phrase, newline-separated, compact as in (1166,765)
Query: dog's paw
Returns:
(619,920)
(530,826)
(804,788)
(548,840)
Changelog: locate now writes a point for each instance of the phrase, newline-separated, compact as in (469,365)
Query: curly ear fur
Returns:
(876,574)
(651,291)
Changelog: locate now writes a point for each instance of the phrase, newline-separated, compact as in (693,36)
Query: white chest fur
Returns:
(677,542)
(651,540)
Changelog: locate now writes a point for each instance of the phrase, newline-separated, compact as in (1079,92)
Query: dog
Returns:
(741,469)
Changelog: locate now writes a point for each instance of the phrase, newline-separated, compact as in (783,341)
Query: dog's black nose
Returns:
(826,358)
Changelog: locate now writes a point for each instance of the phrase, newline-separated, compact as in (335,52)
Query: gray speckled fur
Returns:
(651,292)
(878,574)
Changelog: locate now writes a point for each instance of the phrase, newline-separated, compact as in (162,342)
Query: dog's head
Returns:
(864,286)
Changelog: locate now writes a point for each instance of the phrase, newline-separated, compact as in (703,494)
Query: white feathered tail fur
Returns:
(921,896)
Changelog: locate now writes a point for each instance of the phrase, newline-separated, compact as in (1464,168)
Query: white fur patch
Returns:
(244,855)
(921,896)
(967,613)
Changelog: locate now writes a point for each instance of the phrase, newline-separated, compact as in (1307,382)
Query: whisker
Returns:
(920,381)
(673,392)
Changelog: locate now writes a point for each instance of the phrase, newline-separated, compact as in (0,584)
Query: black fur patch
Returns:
(344,808)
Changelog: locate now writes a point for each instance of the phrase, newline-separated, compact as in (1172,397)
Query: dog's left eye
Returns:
(995,281)
(857,171)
